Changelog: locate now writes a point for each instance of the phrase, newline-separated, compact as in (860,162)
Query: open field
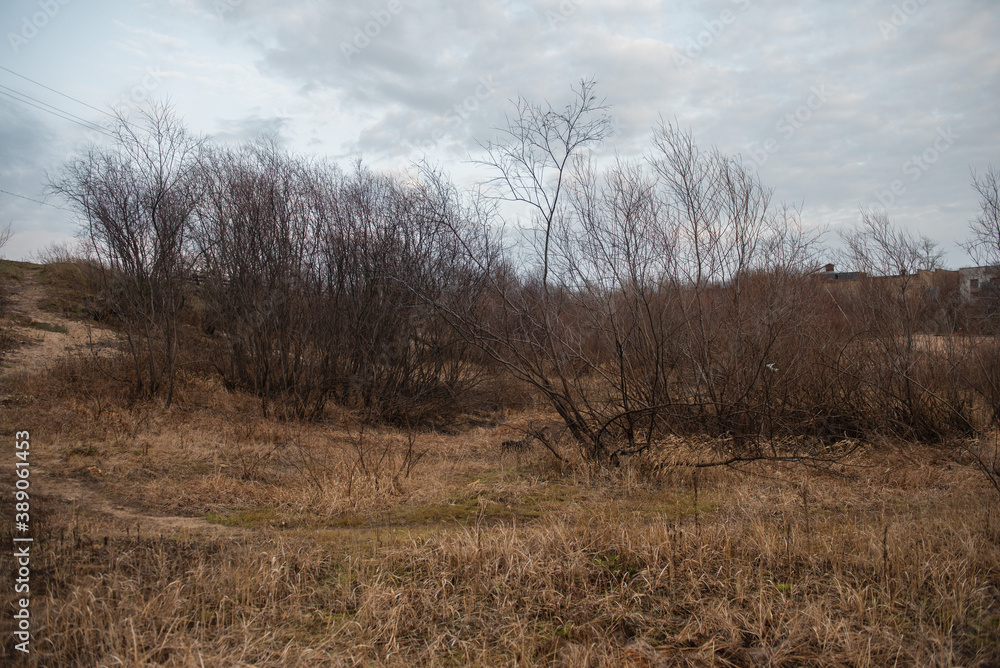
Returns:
(207,534)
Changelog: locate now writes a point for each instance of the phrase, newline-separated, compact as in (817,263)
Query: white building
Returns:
(972,281)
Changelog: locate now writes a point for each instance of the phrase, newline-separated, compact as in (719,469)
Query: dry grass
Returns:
(71,289)
(479,557)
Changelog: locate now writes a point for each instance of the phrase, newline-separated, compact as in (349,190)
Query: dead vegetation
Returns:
(309,417)
(331,543)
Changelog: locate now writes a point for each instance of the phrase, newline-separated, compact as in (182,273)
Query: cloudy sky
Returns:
(839,103)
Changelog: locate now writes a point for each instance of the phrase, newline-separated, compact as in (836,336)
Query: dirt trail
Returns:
(41,349)
(44,347)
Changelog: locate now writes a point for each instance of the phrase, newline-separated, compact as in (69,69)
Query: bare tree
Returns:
(256,230)
(136,197)
(902,382)
(385,254)
(534,158)
(533,154)
(984,244)
(657,294)
(980,365)
(312,277)
(880,248)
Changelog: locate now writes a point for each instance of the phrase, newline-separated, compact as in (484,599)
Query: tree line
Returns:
(662,295)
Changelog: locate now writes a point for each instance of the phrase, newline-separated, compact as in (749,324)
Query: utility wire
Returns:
(46,104)
(68,97)
(36,201)
(65,118)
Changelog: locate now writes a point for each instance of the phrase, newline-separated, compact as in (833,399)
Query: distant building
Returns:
(975,282)
(933,293)
(936,283)
(829,273)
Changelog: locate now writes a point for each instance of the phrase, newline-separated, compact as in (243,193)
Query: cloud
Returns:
(738,72)
(397,79)
(250,128)
(24,139)
(28,146)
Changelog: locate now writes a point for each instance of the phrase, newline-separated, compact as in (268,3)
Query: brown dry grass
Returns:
(297,554)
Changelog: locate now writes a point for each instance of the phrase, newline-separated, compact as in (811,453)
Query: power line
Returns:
(82,120)
(65,118)
(36,201)
(54,113)
(68,97)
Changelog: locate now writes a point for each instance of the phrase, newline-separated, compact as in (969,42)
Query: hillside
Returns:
(211,533)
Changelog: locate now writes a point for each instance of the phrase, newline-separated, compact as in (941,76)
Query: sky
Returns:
(839,104)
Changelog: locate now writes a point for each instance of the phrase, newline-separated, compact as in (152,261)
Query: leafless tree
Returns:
(903,383)
(533,155)
(666,295)
(533,159)
(312,284)
(984,244)
(661,297)
(256,233)
(880,248)
(5,234)
(384,255)
(742,267)
(136,197)
(980,364)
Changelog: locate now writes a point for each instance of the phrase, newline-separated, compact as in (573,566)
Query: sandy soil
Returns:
(42,347)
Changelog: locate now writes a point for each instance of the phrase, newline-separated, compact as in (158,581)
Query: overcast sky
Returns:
(839,103)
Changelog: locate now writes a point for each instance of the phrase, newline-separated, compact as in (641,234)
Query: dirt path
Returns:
(43,347)
(40,349)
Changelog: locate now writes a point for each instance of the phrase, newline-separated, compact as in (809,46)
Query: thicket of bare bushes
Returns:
(670,295)
(308,277)
(311,282)
(666,295)
(136,198)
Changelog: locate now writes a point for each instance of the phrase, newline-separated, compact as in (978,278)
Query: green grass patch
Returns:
(672,505)
(355,541)
(514,503)
(464,511)
(260,517)
(460,512)
(11,272)
(481,503)
(467,510)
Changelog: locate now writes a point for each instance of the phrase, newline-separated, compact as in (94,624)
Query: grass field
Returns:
(208,535)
